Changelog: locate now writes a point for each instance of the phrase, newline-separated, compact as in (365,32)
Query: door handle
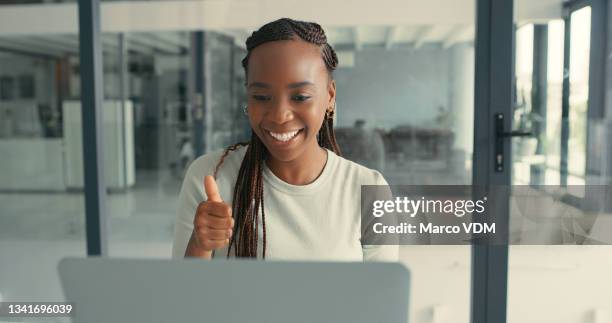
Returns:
(516,133)
(500,135)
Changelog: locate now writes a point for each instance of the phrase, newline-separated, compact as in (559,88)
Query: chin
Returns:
(285,156)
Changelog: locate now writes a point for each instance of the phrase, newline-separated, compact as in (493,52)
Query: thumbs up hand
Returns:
(212,224)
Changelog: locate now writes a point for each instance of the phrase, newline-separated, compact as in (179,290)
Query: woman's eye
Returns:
(259,97)
(300,97)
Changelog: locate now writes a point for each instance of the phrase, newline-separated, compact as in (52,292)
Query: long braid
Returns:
(225,153)
(248,202)
(327,137)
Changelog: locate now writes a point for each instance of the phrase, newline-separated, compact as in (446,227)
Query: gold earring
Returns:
(329,114)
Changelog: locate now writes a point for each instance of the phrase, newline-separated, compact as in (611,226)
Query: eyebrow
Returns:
(291,86)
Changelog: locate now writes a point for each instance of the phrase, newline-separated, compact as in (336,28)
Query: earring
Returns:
(245,109)
(329,114)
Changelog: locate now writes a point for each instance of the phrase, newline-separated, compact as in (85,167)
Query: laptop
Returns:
(234,291)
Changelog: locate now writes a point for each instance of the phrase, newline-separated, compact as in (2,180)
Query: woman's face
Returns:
(288,90)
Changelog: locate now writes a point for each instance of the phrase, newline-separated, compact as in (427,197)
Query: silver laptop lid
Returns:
(192,290)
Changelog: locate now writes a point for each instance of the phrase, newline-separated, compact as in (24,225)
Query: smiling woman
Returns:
(290,92)
(312,194)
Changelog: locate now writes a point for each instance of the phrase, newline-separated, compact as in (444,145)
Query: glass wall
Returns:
(580,48)
(148,89)
(557,281)
(41,215)
(538,99)
(404,107)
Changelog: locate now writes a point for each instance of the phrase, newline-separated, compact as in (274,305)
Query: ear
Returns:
(331,91)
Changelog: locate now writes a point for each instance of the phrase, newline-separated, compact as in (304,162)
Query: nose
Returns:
(280,112)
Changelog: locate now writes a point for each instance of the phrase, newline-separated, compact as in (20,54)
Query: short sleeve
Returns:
(386,253)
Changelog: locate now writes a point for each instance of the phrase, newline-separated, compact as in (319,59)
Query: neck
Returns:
(301,171)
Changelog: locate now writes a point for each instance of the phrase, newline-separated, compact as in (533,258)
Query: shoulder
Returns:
(360,174)
(206,164)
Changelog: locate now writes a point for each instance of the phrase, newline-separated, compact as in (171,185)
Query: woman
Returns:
(292,163)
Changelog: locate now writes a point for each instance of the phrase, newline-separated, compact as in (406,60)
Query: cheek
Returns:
(314,117)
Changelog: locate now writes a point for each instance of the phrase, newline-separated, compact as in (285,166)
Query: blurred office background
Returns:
(405,107)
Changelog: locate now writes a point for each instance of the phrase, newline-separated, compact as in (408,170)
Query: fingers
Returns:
(210,239)
(213,244)
(214,223)
(214,234)
(216,209)
(211,189)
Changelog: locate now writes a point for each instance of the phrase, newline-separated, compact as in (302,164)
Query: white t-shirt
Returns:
(318,221)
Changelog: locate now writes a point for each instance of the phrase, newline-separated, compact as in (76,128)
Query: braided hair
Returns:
(248,190)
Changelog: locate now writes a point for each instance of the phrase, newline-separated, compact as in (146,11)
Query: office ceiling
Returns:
(173,43)
(163,26)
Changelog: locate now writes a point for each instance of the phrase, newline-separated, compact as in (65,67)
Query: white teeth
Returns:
(285,136)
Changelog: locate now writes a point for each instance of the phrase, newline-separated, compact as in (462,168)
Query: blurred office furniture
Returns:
(177,120)
(22,167)
(21,119)
(6,122)
(415,142)
(118,145)
(361,145)
(23,139)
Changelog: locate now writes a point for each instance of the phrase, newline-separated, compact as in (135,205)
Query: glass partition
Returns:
(42,218)
(405,88)
(564,278)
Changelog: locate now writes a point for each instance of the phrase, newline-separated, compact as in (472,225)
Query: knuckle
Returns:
(212,221)
(201,222)
(227,209)
(201,207)
(197,223)
(202,232)
(199,216)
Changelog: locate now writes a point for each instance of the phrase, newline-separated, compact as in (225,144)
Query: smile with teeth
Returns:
(284,136)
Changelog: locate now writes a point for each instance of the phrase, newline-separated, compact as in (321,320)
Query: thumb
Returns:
(211,189)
